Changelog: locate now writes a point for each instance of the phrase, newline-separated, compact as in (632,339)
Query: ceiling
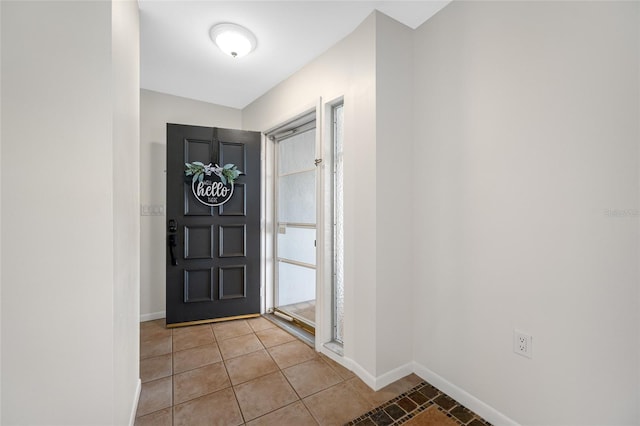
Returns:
(179,58)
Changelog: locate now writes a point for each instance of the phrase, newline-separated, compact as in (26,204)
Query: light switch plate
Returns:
(152,210)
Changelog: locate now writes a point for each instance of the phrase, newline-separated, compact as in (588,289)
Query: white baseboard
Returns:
(364,375)
(393,375)
(375,383)
(463,397)
(351,365)
(136,399)
(152,316)
(340,359)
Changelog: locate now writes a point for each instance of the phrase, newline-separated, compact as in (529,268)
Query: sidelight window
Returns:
(338,226)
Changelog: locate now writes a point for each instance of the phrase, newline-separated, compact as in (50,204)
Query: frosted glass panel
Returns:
(295,284)
(338,284)
(297,244)
(297,198)
(296,204)
(297,153)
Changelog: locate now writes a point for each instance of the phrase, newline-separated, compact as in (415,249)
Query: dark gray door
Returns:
(213,253)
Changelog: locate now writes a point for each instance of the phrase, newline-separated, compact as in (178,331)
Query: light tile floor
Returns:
(246,372)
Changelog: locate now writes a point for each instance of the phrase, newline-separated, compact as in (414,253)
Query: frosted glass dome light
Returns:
(233,39)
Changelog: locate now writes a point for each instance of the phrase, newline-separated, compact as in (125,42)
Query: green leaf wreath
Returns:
(197,170)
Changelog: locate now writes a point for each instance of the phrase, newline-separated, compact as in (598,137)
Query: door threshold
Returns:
(211,321)
(301,334)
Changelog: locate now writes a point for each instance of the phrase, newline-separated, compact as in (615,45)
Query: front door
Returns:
(213,249)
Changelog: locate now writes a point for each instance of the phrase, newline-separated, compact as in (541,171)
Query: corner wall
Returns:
(156,110)
(526,127)
(69,119)
(0,224)
(126,207)
(395,190)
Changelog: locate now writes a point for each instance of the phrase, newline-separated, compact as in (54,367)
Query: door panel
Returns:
(198,285)
(297,197)
(296,225)
(217,249)
(194,150)
(297,244)
(237,205)
(233,153)
(296,284)
(198,242)
(232,240)
(233,284)
(297,153)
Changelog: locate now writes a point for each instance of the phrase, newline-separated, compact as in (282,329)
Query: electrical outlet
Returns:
(522,343)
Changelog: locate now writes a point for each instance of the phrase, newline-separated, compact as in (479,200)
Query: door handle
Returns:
(172,244)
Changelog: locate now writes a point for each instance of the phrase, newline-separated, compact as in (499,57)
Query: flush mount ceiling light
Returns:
(233,39)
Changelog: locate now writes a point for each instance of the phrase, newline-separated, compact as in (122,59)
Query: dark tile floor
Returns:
(420,406)
(246,372)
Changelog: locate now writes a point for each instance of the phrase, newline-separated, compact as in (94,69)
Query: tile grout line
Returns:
(233,387)
(224,362)
(281,371)
(310,412)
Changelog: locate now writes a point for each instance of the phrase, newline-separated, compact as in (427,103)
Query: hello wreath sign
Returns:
(211,184)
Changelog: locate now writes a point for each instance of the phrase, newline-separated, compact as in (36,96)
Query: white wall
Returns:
(395,191)
(526,127)
(156,110)
(126,207)
(64,212)
(0,222)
